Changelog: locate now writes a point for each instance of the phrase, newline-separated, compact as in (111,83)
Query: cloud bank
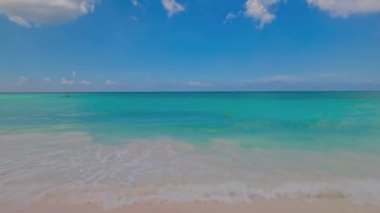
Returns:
(345,8)
(261,10)
(30,13)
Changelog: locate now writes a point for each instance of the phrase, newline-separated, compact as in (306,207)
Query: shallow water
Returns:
(123,148)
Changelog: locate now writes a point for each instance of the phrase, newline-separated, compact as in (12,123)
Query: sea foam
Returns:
(69,168)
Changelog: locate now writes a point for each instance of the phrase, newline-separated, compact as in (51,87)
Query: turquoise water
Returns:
(117,149)
(315,120)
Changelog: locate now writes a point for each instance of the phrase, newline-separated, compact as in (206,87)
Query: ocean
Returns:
(118,149)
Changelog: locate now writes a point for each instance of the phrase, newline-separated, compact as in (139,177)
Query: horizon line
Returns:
(187,91)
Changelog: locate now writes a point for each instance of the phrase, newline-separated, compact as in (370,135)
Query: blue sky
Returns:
(189,45)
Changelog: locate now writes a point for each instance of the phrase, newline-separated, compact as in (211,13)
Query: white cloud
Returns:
(20,21)
(172,7)
(194,83)
(197,84)
(259,11)
(135,2)
(229,17)
(64,81)
(30,13)
(74,74)
(22,80)
(280,79)
(345,8)
(288,79)
(109,83)
(85,83)
(329,75)
(48,80)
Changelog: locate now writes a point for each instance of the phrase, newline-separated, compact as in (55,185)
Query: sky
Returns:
(189,45)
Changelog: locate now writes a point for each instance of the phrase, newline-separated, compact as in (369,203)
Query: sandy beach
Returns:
(267,206)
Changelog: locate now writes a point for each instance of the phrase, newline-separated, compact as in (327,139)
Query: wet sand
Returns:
(259,205)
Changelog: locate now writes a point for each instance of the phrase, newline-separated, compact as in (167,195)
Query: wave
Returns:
(111,196)
(69,168)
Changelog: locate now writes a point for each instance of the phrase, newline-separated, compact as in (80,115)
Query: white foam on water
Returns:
(69,168)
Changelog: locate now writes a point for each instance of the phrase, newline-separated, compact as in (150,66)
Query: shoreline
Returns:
(258,205)
(35,168)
